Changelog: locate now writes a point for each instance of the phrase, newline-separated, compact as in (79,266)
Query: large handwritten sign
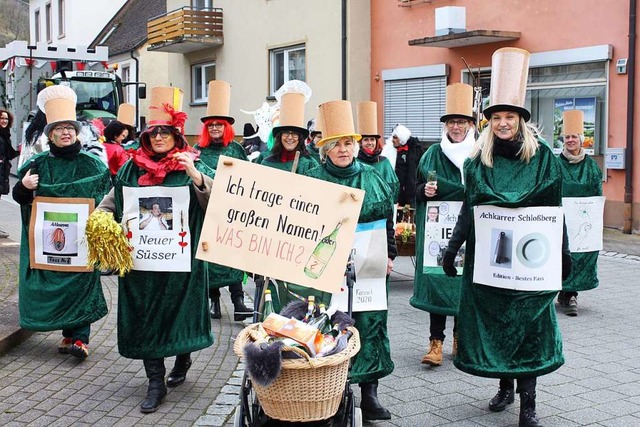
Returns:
(279,224)
(439,223)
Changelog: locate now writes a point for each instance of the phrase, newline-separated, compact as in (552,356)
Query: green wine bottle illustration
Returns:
(322,254)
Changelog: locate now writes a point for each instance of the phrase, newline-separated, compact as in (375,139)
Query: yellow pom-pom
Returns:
(108,246)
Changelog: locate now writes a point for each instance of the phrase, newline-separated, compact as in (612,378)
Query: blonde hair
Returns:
(528,133)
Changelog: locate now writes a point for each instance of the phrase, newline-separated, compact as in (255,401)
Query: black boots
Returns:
(504,396)
(527,390)
(369,404)
(240,311)
(179,372)
(157,390)
(216,313)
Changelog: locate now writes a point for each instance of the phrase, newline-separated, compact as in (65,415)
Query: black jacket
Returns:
(407,170)
(7,153)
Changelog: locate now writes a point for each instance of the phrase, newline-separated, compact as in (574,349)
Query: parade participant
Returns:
(581,177)
(51,300)
(127,116)
(315,135)
(216,139)
(409,152)
(507,333)
(337,148)
(433,291)
(114,134)
(371,145)
(163,313)
(7,153)
(289,136)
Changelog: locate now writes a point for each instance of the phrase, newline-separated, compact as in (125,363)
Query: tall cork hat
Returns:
(59,105)
(218,101)
(291,115)
(336,118)
(573,122)
(166,107)
(368,118)
(509,73)
(127,114)
(459,102)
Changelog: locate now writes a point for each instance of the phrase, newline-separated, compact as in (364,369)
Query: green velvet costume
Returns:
(51,300)
(433,291)
(162,314)
(582,179)
(305,163)
(374,359)
(314,152)
(505,333)
(220,275)
(383,166)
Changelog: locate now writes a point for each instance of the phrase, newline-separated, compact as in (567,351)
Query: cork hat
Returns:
(59,105)
(368,118)
(319,124)
(573,122)
(166,107)
(337,121)
(291,114)
(127,114)
(459,102)
(509,73)
(218,101)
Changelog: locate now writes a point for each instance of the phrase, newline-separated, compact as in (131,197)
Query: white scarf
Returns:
(459,151)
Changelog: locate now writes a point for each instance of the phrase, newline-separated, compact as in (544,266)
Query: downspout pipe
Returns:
(138,127)
(344,49)
(627,227)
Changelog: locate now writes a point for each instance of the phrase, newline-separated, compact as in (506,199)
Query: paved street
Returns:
(598,386)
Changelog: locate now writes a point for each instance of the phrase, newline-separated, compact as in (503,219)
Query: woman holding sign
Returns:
(433,291)
(216,139)
(581,177)
(50,299)
(337,148)
(163,308)
(505,332)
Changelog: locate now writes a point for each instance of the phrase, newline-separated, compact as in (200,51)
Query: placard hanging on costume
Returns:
(585,222)
(370,259)
(156,223)
(519,249)
(279,224)
(55,233)
(440,220)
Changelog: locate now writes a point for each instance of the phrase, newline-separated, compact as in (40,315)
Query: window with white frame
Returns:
(126,76)
(48,22)
(286,64)
(36,24)
(201,75)
(60,19)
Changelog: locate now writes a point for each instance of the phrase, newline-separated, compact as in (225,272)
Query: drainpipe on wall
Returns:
(138,127)
(344,49)
(627,211)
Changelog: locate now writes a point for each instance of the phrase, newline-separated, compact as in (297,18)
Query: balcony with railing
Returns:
(185,30)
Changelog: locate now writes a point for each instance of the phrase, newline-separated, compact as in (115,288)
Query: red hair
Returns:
(227,133)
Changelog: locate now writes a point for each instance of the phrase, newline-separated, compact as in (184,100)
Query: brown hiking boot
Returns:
(434,356)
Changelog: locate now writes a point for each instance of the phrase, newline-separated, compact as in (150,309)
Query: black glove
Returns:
(567,262)
(447,264)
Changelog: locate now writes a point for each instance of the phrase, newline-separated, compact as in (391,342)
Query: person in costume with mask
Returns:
(506,332)
(581,177)
(433,291)
(163,313)
(114,134)
(48,299)
(371,145)
(337,149)
(409,151)
(315,135)
(217,139)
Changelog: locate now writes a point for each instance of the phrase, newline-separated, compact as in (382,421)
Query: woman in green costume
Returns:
(581,177)
(371,146)
(315,135)
(161,313)
(337,148)
(216,139)
(51,300)
(433,291)
(505,333)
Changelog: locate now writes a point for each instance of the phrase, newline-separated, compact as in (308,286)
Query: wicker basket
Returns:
(305,390)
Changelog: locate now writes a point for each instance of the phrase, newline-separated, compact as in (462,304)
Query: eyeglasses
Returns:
(215,125)
(460,123)
(4,118)
(290,133)
(60,129)
(163,134)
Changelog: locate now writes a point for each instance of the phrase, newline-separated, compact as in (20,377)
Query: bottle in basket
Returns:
(311,309)
(322,254)
(322,322)
(268,305)
(340,344)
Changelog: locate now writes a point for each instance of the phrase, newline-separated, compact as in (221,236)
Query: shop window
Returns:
(286,64)
(201,75)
